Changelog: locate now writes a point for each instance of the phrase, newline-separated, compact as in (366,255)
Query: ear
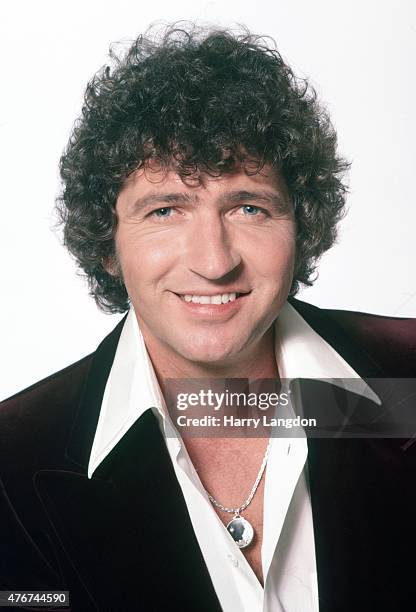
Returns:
(111,265)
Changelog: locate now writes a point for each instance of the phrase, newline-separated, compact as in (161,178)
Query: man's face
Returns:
(208,266)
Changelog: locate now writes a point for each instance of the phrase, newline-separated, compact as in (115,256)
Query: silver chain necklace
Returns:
(240,529)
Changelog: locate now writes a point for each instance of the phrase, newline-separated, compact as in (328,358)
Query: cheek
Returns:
(275,259)
(143,260)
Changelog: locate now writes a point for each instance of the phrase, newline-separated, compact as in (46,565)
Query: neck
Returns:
(258,363)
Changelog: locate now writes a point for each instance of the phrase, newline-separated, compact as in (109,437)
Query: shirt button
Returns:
(233,560)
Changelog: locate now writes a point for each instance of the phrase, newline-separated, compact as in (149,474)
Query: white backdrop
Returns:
(360,55)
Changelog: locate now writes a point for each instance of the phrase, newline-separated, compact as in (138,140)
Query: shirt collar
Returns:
(132,386)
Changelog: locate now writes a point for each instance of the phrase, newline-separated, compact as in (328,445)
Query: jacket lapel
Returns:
(82,434)
(128,525)
(356,486)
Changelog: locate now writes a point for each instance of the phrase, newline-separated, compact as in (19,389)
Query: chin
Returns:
(210,353)
(210,358)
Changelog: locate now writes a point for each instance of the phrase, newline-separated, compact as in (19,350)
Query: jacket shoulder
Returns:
(41,417)
(57,379)
(389,341)
(28,417)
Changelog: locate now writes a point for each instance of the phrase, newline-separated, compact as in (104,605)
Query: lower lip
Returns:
(213,311)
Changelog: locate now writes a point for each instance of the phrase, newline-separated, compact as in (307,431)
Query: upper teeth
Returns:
(221,298)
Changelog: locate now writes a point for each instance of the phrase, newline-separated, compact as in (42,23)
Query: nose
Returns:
(212,252)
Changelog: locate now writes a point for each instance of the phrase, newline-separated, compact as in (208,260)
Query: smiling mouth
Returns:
(217,299)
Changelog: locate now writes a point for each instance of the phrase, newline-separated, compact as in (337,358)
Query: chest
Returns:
(229,472)
(254,515)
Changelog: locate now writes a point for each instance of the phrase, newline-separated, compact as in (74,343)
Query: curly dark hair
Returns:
(205,99)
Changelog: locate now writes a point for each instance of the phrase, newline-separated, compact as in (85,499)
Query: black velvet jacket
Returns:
(123,540)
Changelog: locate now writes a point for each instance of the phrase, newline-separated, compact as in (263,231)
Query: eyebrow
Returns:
(272,198)
(164,198)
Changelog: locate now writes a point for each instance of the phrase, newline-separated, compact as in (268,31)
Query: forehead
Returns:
(148,182)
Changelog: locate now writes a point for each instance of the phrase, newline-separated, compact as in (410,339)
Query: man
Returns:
(201,185)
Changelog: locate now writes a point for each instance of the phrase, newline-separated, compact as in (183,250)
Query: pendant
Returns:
(241,531)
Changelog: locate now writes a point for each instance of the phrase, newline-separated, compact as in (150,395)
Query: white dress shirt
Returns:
(288,548)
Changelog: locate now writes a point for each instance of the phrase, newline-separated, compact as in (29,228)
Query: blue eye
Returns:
(251,210)
(163,212)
